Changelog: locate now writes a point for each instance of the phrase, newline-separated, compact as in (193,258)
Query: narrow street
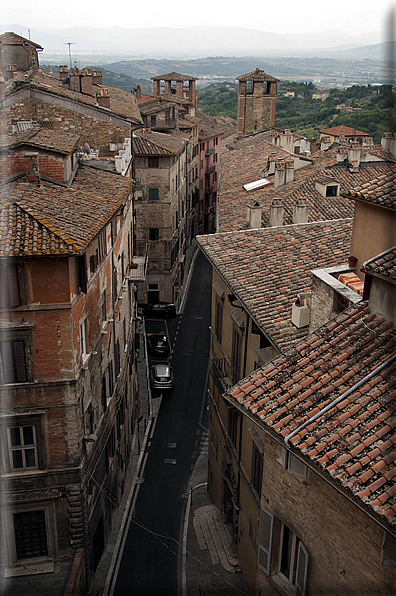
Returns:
(149,564)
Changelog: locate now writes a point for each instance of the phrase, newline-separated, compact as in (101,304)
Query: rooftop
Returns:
(383,265)
(380,190)
(257,75)
(173,76)
(347,131)
(266,268)
(157,143)
(353,441)
(53,220)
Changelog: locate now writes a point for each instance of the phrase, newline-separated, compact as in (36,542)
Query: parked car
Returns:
(161,377)
(160,309)
(158,344)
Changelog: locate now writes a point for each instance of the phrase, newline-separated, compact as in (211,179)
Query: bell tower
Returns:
(256,102)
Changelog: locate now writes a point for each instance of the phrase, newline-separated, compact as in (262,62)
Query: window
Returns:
(154,233)
(84,337)
(340,303)
(104,306)
(233,417)
(236,354)
(292,464)
(332,191)
(153,194)
(153,121)
(219,318)
(13,361)
(10,296)
(153,162)
(388,555)
(30,534)
(292,562)
(256,475)
(22,447)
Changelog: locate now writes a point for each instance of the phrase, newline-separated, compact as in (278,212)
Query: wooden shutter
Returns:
(7,362)
(265,541)
(302,570)
(20,361)
(82,274)
(388,556)
(297,467)
(13,286)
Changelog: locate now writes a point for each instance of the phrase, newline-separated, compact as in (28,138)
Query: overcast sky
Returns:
(293,16)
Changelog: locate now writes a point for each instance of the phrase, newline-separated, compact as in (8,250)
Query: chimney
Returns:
(289,171)
(137,92)
(253,217)
(32,168)
(280,168)
(103,98)
(325,143)
(354,154)
(313,145)
(74,79)
(271,163)
(276,213)
(86,82)
(63,73)
(300,213)
(97,77)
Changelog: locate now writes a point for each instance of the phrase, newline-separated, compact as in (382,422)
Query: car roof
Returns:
(161,369)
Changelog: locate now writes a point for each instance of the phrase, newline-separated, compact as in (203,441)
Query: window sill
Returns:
(282,585)
(21,569)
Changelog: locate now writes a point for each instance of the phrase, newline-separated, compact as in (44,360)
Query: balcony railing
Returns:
(139,262)
(218,373)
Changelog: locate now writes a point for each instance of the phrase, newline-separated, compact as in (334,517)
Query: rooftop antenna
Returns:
(70,43)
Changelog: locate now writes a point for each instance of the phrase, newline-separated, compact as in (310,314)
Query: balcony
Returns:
(139,262)
(218,373)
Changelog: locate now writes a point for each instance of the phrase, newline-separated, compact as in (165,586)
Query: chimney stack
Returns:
(103,98)
(289,171)
(280,168)
(253,217)
(276,213)
(300,213)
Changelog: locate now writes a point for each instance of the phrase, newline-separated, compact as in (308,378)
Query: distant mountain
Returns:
(189,41)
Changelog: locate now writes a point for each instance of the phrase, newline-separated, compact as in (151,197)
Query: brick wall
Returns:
(96,132)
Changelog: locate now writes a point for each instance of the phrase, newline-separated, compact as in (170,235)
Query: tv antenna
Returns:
(70,43)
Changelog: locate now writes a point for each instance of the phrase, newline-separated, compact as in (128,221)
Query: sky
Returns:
(302,16)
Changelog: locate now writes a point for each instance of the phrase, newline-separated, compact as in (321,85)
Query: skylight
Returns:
(257,184)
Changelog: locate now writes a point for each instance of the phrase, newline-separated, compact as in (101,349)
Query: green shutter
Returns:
(265,541)
(153,194)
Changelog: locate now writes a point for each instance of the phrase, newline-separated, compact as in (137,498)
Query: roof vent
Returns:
(301,310)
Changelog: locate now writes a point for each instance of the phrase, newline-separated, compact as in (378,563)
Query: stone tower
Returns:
(256,102)
(179,85)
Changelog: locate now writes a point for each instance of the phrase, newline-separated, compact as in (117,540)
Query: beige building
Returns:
(301,455)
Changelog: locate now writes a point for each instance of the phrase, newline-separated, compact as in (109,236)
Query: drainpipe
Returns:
(339,399)
(377,257)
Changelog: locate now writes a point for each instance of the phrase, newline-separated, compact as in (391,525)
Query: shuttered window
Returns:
(302,570)
(153,194)
(30,534)
(388,556)
(265,541)
(13,361)
(10,296)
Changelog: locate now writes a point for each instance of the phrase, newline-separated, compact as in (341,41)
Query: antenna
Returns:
(70,43)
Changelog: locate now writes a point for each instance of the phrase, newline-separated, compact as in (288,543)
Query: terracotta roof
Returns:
(268,267)
(10,38)
(51,219)
(347,131)
(246,162)
(257,75)
(209,126)
(354,442)
(42,138)
(383,265)
(122,102)
(173,76)
(379,191)
(152,105)
(157,143)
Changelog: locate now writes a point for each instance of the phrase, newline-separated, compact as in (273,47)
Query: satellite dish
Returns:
(86,148)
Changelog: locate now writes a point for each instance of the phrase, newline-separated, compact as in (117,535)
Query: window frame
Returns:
(21,421)
(153,193)
(11,539)
(18,332)
(257,466)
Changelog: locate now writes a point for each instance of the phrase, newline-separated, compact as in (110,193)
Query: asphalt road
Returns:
(149,564)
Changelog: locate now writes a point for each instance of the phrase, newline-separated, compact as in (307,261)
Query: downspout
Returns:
(339,399)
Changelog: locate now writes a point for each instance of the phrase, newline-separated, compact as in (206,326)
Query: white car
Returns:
(161,376)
